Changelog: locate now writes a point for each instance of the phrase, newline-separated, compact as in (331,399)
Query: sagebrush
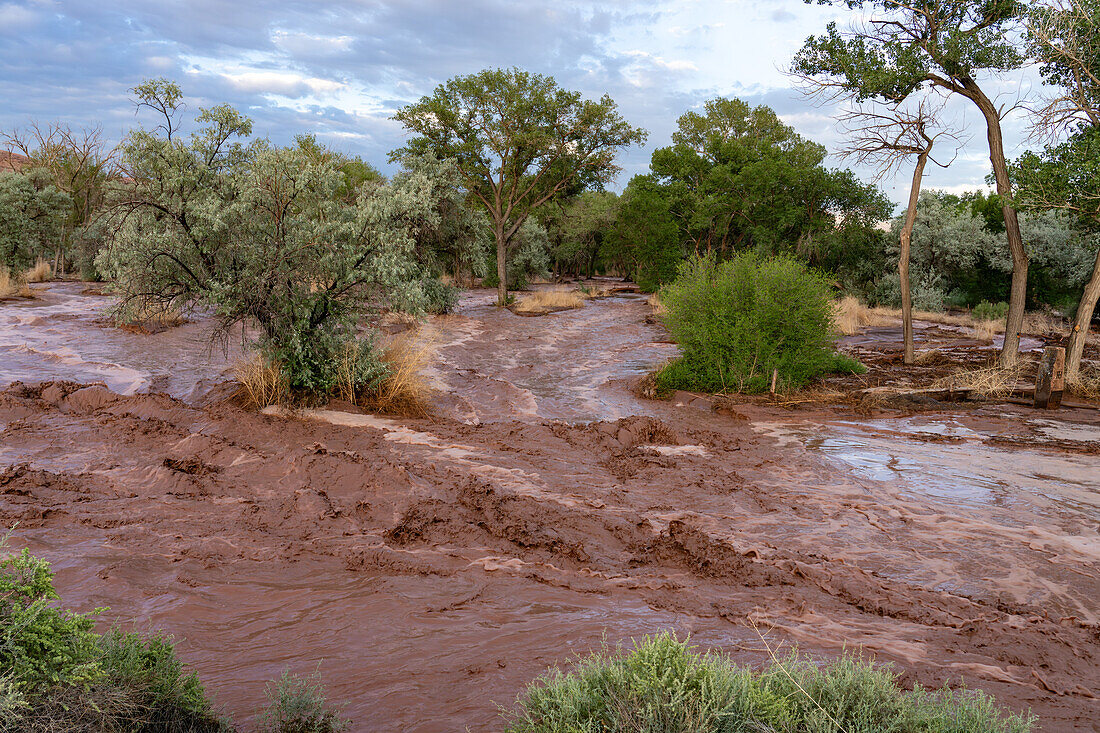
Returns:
(665,686)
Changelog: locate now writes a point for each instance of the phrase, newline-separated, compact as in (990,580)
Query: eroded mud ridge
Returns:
(435,567)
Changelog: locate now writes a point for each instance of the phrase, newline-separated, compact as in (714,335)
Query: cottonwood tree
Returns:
(1064,36)
(885,137)
(519,140)
(904,46)
(737,177)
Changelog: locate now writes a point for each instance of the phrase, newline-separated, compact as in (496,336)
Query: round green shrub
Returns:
(664,686)
(738,320)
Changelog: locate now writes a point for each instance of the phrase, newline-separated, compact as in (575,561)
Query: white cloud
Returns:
(308,44)
(16,17)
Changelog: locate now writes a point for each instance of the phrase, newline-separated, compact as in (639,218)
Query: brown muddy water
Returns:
(433,567)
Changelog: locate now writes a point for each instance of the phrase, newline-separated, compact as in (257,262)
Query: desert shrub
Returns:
(59,675)
(168,695)
(925,288)
(664,685)
(986,311)
(737,321)
(41,644)
(297,704)
(428,295)
(439,297)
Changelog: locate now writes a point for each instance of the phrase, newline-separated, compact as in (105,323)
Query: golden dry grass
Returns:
(589,292)
(261,382)
(992,382)
(544,300)
(9,286)
(40,273)
(851,316)
(405,389)
(1087,383)
(14,287)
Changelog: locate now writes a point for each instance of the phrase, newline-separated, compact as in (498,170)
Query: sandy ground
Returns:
(433,567)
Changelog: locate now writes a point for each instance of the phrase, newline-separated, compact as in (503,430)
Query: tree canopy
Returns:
(736,177)
(518,140)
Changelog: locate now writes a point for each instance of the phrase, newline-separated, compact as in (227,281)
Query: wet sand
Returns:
(433,567)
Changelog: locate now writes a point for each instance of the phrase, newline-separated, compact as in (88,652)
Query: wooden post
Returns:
(775,376)
(1050,380)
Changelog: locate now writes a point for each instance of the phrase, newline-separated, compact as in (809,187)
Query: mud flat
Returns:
(434,567)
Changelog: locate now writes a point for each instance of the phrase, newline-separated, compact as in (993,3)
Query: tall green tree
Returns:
(80,163)
(645,241)
(902,46)
(33,213)
(577,231)
(519,140)
(736,177)
(1064,36)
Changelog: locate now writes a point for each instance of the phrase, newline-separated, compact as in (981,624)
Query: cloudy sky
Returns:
(340,69)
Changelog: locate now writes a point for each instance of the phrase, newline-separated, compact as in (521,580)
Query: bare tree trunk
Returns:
(1018,292)
(502,275)
(903,258)
(1080,332)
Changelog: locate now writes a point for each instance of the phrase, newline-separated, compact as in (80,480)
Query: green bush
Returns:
(986,311)
(41,644)
(147,668)
(664,686)
(737,321)
(59,675)
(427,295)
(297,704)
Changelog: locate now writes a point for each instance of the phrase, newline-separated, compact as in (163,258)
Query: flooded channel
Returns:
(433,567)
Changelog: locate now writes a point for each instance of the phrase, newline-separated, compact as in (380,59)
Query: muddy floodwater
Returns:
(430,568)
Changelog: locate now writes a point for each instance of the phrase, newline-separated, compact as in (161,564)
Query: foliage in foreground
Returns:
(62,676)
(664,686)
(737,321)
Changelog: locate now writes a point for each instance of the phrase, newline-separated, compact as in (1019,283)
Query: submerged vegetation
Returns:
(664,685)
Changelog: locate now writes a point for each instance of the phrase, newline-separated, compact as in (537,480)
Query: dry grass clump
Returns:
(547,300)
(851,316)
(654,302)
(994,382)
(14,287)
(1086,385)
(589,292)
(9,286)
(40,273)
(262,383)
(929,357)
(1042,323)
(405,389)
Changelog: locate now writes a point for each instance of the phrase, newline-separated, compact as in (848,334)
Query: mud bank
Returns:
(434,567)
